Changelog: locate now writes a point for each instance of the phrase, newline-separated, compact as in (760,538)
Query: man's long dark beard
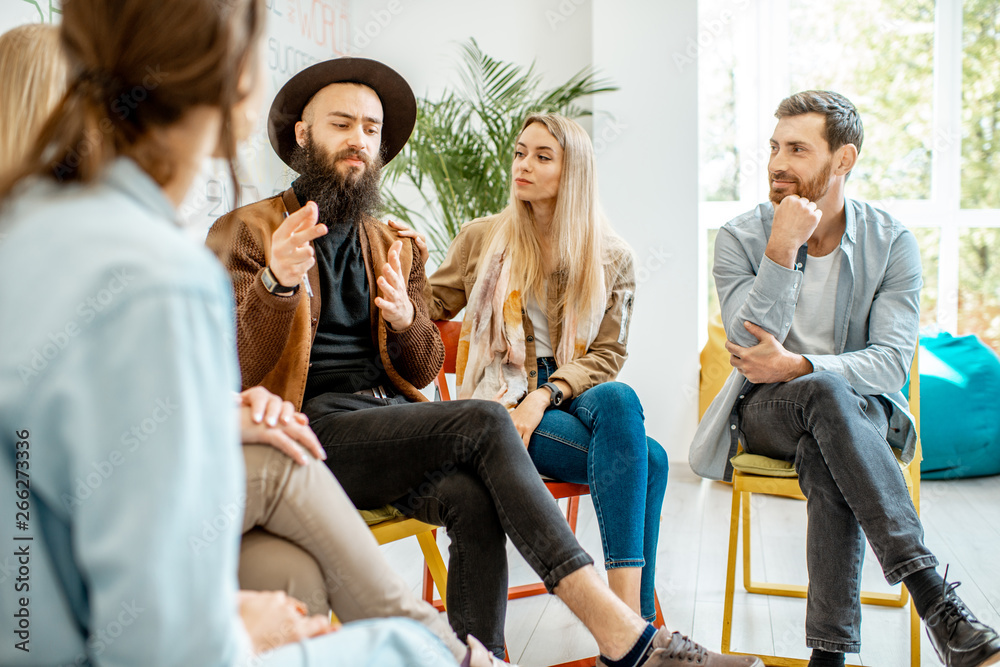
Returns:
(340,198)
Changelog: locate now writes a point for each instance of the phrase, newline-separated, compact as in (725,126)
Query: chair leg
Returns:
(727,612)
(434,563)
(659,621)
(428,587)
(914,636)
(572,509)
(747,579)
(428,592)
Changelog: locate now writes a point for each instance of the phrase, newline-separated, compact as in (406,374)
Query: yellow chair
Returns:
(389,525)
(781,481)
(400,528)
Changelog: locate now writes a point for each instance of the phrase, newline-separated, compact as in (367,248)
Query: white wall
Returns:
(649,184)
(420,38)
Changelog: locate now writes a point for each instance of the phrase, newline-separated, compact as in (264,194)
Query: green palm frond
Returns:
(458,157)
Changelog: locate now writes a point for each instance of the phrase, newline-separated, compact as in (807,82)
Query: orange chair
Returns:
(450,333)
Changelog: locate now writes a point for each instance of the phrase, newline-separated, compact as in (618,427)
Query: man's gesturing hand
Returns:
(795,220)
(291,252)
(767,361)
(394,302)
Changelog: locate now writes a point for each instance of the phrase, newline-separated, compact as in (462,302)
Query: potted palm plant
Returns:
(458,157)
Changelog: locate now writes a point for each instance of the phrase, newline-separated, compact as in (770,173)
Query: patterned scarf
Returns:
(491,350)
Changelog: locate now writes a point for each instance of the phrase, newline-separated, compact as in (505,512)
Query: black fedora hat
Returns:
(399,107)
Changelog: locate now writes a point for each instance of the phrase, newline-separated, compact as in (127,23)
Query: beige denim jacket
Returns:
(448,290)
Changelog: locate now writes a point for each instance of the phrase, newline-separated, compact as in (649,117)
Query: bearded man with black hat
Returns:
(331,317)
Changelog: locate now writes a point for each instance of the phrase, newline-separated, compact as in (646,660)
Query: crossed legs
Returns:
(853,483)
(306,506)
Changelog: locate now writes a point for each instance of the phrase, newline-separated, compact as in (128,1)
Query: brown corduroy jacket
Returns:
(274,334)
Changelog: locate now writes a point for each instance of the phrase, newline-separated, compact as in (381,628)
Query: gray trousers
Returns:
(837,440)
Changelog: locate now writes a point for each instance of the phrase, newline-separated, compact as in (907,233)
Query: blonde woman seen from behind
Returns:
(32,81)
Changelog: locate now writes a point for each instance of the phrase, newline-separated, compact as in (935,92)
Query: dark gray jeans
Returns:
(847,471)
(458,464)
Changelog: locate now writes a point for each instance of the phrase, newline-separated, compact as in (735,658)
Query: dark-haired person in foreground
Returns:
(118,432)
(331,317)
(820,301)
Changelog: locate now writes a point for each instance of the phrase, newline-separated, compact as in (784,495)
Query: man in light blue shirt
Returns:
(820,301)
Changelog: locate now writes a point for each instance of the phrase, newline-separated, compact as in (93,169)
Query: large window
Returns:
(925,76)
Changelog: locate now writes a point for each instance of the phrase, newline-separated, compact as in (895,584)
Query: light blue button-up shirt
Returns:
(117,433)
(877,316)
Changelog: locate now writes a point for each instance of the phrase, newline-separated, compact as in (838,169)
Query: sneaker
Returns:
(958,637)
(670,650)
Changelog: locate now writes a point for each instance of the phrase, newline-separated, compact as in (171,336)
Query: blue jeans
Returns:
(836,438)
(598,438)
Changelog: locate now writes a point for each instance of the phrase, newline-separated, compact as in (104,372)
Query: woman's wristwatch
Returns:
(555,394)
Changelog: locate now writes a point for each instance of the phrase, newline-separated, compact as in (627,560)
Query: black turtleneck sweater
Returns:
(343,359)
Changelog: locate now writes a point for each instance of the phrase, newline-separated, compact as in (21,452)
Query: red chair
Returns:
(450,333)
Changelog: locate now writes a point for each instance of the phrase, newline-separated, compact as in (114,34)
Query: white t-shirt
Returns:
(540,323)
(812,324)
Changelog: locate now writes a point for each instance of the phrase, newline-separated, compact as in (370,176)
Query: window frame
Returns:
(764,32)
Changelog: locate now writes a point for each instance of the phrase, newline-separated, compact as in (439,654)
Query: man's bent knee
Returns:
(825,386)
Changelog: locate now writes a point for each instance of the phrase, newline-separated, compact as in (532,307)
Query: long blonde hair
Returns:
(588,250)
(33,72)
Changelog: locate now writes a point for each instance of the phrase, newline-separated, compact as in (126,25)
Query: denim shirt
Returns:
(117,369)
(877,317)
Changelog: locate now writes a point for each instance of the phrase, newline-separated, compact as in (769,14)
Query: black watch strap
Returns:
(272,285)
(555,394)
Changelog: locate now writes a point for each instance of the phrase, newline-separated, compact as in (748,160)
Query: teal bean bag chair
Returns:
(959,407)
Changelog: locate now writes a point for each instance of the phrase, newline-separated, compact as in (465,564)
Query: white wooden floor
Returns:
(962,523)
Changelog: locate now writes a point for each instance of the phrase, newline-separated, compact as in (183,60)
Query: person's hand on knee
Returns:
(267,419)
